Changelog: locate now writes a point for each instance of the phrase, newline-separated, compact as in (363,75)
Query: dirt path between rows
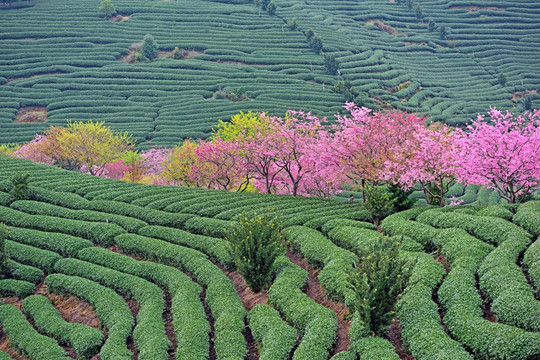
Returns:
(314,290)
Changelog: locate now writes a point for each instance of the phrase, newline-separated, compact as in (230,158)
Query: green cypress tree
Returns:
(19,191)
(149,47)
(106,9)
(377,280)
(255,243)
(4,232)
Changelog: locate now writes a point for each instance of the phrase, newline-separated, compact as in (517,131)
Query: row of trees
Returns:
(300,154)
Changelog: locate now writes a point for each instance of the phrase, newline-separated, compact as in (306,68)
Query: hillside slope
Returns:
(61,61)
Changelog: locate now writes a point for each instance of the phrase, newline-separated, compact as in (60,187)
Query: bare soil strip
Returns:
(394,336)
(134,307)
(248,297)
(314,290)
(169,329)
(210,320)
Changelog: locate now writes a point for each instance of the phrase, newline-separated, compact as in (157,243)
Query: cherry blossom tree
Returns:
(220,166)
(293,140)
(33,151)
(325,178)
(503,154)
(153,160)
(427,159)
(366,141)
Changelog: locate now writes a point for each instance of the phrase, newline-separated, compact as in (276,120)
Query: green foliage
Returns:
(106,9)
(5,199)
(177,53)
(264,4)
(499,211)
(66,200)
(459,296)
(377,280)
(138,57)
(18,288)
(314,40)
(401,198)
(344,355)
(272,333)
(84,339)
(208,226)
(149,333)
(419,316)
(220,294)
(345,87)
(19,191)
(317,323)
(321,253)
(151,216)
(418,12)
(100,233)
(219,250)
(32,256)
(316,43)
(379,203)
(503,282)
(26,339)
(527,102)
(65,245)
(271,8)
(329,225)
(4,233)
(189,318)
(23,272)
(314,246)
(501,79)
(111,310)
(532,260)
(528,217)
(149,47)
(432,26)
(255,243)
(331,64)
(374,348)
(292,24)
(39,208)
(354,239)
(442,31)
(239,94)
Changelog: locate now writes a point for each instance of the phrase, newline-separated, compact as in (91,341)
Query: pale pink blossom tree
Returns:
(220,166)
(427,159)
(365,142)
(294,141)
(503,155)
(34,151)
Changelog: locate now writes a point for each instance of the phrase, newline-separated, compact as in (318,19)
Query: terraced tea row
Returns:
(166,100)
(237,57)
(153,263)
(391,52)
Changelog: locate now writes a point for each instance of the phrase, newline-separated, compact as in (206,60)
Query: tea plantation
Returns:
(451,59)
(153,264)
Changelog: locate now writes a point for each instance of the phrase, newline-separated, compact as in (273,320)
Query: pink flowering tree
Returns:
(114,170)
(153,160)
(220,166)
(294,141)
(427,159)
(503,155)
(365,142)
(34,151)
(325,178)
